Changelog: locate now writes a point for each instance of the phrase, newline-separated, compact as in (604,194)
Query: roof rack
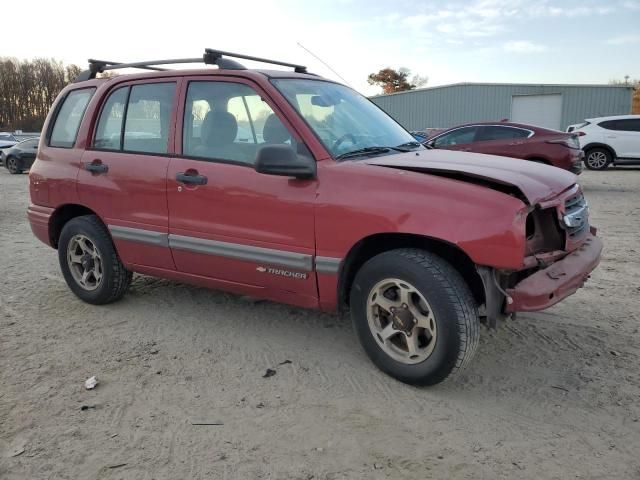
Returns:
(210,57)
(218,54)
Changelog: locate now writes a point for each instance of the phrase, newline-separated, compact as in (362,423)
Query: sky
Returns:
(516,41)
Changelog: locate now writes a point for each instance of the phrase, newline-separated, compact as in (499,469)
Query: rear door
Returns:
(501,140)
(226,221)
(123,173)
(624,136)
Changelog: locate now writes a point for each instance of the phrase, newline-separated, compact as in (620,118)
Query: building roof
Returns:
(480,84)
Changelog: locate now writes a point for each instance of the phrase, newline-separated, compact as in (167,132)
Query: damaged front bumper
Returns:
(550,285)
(544,287)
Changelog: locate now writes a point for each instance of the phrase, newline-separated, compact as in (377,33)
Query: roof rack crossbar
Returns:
(216,54)
(99,66)
(210,57)
(145,65)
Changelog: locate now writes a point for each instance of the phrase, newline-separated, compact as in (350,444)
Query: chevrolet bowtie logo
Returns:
(282,273)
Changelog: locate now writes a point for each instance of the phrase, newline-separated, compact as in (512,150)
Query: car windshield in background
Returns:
(347,123)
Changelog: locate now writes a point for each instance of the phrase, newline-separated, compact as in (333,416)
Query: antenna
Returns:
(323,62)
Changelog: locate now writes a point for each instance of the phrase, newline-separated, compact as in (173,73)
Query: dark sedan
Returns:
(20,157)
(514,140)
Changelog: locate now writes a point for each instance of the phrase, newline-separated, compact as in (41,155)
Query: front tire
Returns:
(90,263)
(414,316)
(597,159)
(13,165)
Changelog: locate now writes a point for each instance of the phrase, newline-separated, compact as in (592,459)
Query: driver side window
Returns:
(229,122)
(460,136)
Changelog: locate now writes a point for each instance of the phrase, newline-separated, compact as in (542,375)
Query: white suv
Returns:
(607,140)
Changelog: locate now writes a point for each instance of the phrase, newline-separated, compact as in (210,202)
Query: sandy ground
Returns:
(552,395)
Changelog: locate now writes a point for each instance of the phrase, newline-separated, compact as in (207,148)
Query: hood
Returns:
(534,181)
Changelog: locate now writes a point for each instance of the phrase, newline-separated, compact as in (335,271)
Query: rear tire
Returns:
(90,263)
(597,158)
(13,165)
(434,329)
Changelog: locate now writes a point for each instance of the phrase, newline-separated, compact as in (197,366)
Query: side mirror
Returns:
(282,159)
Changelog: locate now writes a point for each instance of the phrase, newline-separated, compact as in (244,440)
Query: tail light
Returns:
(570,141)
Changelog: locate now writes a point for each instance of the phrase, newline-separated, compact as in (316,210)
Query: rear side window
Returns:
(633,125)
(109,132)
(610,124)
(136,119)
(489,133)
(146,127)
(65,128)
(622,125)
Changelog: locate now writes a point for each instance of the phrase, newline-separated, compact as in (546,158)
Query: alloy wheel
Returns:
(12,164)
(402,321)
(597,160)
(85,262)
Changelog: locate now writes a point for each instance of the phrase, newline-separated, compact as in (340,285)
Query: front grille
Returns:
(576,215)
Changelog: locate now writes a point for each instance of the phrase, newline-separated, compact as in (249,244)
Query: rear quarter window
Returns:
(69,117)
(610,125)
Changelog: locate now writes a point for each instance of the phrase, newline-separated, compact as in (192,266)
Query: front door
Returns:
(226,221)
(459,139)
(123,174)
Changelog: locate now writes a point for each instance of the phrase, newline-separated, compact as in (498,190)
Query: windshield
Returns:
(345,121)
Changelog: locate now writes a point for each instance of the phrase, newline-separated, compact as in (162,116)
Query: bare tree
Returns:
(28,88)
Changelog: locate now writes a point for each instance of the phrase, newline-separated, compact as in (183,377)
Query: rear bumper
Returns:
(577,159)
(556,282)
(578,164)
(39,218)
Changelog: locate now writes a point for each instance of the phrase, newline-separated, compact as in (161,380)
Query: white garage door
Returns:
(541,110)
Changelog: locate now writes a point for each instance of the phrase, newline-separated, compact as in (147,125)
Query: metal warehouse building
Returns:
(551,106)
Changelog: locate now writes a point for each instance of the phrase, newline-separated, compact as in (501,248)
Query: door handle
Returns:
(191,177)
(466,149)
(96,167)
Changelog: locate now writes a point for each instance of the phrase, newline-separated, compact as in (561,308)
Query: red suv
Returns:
(290,187)
(514,140)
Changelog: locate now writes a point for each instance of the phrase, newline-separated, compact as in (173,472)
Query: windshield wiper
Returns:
(410,145)
(376,150)
(364,151)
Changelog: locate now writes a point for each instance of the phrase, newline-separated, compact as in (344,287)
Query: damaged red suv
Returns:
(287,186)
